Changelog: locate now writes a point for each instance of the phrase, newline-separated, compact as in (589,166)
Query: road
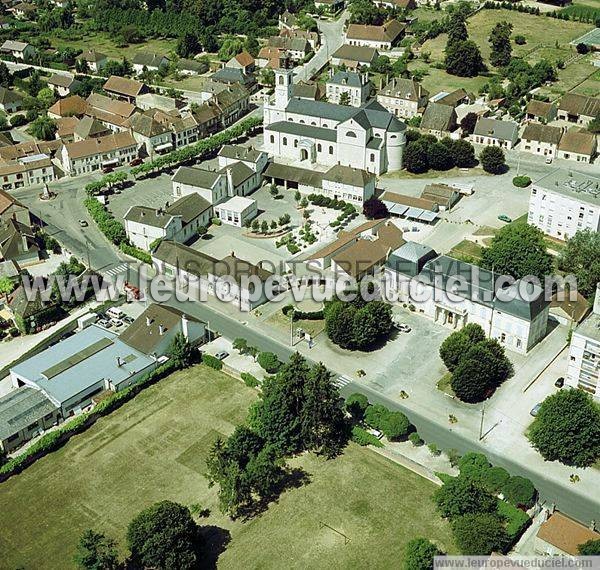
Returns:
(571,500)
(332,37)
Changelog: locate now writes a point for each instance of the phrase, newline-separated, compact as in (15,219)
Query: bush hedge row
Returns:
(302,315)
(212,361)
(364,438)
(250,380)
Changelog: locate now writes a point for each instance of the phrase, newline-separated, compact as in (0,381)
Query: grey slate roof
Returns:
(9,96)
(402,88)
(239,152)
(410,258)
(188,207)
(294,174)
(147,216)
(197,177)
(361,54)
(232,75)
(350,176)
(301,130)
(501,130)
(542,133)
(192,65)
(149,59)
(239,172)
(349,78)
(438,117)
(20,408)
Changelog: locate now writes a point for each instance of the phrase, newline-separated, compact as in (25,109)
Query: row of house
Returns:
(556,142)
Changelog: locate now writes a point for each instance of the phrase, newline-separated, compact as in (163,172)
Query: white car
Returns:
(548,160)
(402,327)
(117,322)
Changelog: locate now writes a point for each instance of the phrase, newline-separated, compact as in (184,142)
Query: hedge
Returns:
(363,437)
(302,315)
(521,181)
(199,149)
(516,520)
(135,252)
(249,380)
(269,362)
(394,425)
(519,491)
(57,438)
(212,361)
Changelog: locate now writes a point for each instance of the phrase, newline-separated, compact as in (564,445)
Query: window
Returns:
(330,150)
(281,80)
(296,143)
(319,147)
(372,157)
(351,134)
(271,139)
(284,141)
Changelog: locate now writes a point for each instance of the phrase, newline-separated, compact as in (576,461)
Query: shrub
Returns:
(516,520)
(519,491)
(249,380)
(135,252)
(521,181)
(520,40)
(395,425)
(479,533)
(18,120)
(269,362)
(212,361)
(356,404)
(364,438)
(415,439)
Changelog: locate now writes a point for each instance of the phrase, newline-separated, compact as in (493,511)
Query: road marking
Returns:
(342,381)
(116,270)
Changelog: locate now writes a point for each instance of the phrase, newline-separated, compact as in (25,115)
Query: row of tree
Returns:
(424,152)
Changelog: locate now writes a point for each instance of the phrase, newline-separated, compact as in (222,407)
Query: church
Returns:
(317,132)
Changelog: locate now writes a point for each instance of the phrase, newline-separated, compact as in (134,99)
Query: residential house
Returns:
(94,60)
(400,4)
(541,139)
(226,106)
(63,85)
(578,109)
(24,413)
(584,353)
(65,128)
(10,100)
(243,61)
(110,112)
(454,98)
(442,195)
(153,136)
(211,185)
(254,159)
(30,150)
(404,98)
(124,88)
(94,154)
(579,146)
(191,66)
(184,129)
(26,171)
(560,535)
(89,128)
(18,243)
(495,133)
(517,318)
(18,50)
(145,61)
(439,120)
(269,57)
(296,48)
(356,86)
(178,222)
(73,106)
(540,111)
(378,37)
(312,91)
(312,38)
(234,75)
(354,57)
(159,102)
(237,211)
(562,203)
(12,209)
(287,21)
(198,275)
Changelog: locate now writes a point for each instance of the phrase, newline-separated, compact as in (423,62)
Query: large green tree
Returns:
(518,250)
(500,42)
(581,258)
(567,428)
(460,496)
(419,554)
(164,536)
(589,548)
(463,59)
(415,157)
(479,533)
(96,552)
(43,128)
(458,343)
(492,159)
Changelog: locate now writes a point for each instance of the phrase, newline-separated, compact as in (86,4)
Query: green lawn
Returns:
(154,448)
(466,248)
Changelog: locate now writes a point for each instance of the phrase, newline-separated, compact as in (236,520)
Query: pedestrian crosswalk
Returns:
(342,381)
(116,270)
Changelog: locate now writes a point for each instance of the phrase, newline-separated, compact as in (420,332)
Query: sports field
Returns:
(154,448)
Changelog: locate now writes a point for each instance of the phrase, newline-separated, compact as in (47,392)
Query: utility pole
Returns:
(87,250)
(481,423)
(292,327)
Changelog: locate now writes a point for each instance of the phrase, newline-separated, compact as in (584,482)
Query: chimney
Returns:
(230,186)
(119,363)
(161,330)
(233,254)
(184,327)
(148,321)
(593,525)
(597,300)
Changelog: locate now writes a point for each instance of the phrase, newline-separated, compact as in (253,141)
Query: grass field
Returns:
(154,448)
(466,248)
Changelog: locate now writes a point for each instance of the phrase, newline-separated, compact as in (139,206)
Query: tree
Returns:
(594,125)
(345,98)
(567,428)
(479,372)
(395,425)
(306,22)
(356,404)
(581,257)
(240,344)
(468,123)
(382,65)
(519,491)
(230,48)
(43,128)
(463,59)
(181,352)
(164,536)
(46,97)
(458,344)
(6,286)
(35,85)
(269,362)
(460,496)
(439,156)
(187,46)
(479,534)
(419,554)
(96,552)
(415,157)
(518,250)
(589,548)
(463,153)
(456,29)
(5,76)
(264,227)
(375,209)
(582,48)
(499,39)
(492,159)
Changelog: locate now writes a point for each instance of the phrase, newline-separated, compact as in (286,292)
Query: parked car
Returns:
(83,223)
(560,382)
(402,327)
(104,323)
(127,319)
(117,322)
(107,170)
(548,160)
(222,355)
(375,432)
(136,162)
(536,409)
(504,218)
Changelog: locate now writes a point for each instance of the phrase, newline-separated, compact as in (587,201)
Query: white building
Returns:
(148,62)
(404,98)
(579,146)
(454,293)
(368,138)
(237,211)
(496,133)
(562,203)
(199,275)
(356,85)
(378,37)
(19,50)
(254,159)
(94,60)
(584,353)
(541,139)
